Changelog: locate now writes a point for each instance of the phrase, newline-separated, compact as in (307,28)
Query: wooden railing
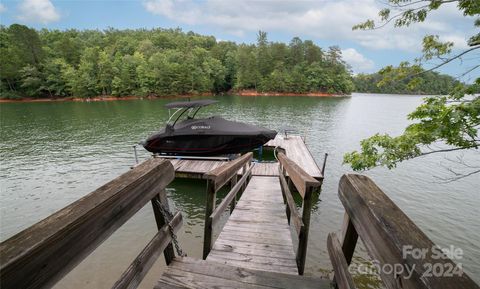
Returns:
(216,179)
(305,185)
(43,253)
(390,237)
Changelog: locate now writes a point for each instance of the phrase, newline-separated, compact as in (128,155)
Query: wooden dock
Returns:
(262,245)
(255,248)
(293,147)
(257,234)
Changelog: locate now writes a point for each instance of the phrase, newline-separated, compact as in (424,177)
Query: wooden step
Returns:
(193,273)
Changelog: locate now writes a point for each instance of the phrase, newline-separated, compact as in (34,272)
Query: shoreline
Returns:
(272,93)
(132,97)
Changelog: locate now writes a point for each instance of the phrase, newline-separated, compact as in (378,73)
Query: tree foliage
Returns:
(450,123)
(430,82)
(54,63)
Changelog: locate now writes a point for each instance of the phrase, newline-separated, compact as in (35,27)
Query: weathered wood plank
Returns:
(229,197)
(40,255)
(209,207)
(258,230)
(157,201)
(268,261)
(248,276)
(342,278)
(267,247)
(292,212)
(199,281)
(349,238)
(299,177)
(134,274)
(295,148)
(221,175)
(304,231)
(254,266)
(386,231)
(263,251)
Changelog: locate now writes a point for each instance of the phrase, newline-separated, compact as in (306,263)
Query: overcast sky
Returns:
(326,22)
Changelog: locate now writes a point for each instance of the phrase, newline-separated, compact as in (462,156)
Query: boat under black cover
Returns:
(206,136)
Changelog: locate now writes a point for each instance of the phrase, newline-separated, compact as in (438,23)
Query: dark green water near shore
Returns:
(54,153)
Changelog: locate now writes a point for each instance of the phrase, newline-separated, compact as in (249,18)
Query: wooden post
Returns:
(162,198)
(209,207)
(303,237)
(324,163)
(244,171)
(233,182)
(349,238)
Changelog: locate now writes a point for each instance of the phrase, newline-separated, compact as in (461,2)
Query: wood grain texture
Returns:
(343,279)
(221,175)
(134,274)
(296,149)
(299,177)
(292,212)
(40,255)
(215,275)
(161,198)
(258,223)
(386,230)
(230,196)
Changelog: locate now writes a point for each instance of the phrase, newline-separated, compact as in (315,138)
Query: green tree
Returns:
(452,120)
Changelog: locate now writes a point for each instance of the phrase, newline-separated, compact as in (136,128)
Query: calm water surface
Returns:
(54,153)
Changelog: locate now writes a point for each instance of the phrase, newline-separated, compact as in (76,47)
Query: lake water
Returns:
(54,153)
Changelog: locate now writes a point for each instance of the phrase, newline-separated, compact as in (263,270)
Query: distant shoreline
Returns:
(132,97)
(272,93)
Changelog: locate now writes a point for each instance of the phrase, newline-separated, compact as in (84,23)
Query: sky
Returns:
(326,22)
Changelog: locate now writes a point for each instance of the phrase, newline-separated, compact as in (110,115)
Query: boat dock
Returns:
(262,244)
(293,146)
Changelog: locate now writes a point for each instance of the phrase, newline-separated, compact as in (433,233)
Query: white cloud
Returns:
(2,8)
(323,19)
(38,11)
(357,61)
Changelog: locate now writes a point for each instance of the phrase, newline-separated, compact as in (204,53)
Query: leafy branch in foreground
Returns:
(452,120)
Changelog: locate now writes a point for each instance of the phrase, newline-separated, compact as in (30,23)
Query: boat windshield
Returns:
(189,107)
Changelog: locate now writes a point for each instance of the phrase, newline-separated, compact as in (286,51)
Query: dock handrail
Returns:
(42,254)
(390,238)
(305,185)
(216,179)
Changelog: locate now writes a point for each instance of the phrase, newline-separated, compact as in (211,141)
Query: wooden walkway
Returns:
(293,146)
(253,250)
(257,234)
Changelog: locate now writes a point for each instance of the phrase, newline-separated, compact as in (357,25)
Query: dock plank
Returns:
(192,273)
(257,234)
(297,151)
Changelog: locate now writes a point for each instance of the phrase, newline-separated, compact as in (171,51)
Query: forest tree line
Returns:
(88,63)
(426,82)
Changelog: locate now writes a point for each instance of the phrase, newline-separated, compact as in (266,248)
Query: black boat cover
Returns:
(216,125)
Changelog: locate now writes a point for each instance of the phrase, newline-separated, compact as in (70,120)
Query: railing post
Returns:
(233,182)
(349,238)
(209,207)
(303,237)
(160,220)
(349,241)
